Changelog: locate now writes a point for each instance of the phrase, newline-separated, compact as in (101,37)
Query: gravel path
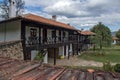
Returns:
(74,61)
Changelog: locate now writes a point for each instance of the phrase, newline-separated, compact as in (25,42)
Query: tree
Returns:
(103,35)
(118,36)
(4,6)
(19,6)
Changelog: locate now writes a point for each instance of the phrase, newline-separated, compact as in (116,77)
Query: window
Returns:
(53,34)
(33,32)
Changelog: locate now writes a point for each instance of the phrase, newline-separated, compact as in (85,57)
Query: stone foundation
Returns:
(12,49)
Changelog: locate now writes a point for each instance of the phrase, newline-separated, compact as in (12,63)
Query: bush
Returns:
(117,68)
(39,56)
(107,66)
(100,53)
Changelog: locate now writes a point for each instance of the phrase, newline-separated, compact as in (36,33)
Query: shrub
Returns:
(117,68)
(100,53)
(39,56)
(107,66)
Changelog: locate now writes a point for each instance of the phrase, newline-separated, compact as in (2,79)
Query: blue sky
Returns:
(82,14)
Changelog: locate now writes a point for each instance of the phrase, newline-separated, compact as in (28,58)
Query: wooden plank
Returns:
(28,68)
(28,75)
(99,78)
(66,75)
(33,74)
(57,74)
(75,75)
(44,75)
(108,76)
(89,76)
(82,76)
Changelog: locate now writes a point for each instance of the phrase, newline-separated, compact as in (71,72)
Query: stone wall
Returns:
(12,49)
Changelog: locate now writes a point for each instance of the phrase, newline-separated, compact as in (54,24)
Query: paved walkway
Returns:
(74,61)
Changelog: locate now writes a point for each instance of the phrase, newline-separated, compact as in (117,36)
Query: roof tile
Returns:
(47,21)
(87,33)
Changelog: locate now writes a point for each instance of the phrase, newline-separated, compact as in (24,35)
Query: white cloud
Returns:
(40,2)
(38,13)
(67,8)
(80,13)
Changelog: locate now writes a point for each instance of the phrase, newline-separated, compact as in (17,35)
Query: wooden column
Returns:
(82,43)
(68,51)
(54,56)
(55,36)
(77,44)
(65,50)
(73,49)
(39,35)
(23,31)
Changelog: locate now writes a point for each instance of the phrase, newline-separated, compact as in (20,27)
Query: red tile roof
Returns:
(87,33)
(11,69)
(47,21)
(114,38)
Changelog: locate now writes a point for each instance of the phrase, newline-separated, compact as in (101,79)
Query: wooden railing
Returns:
(49,40)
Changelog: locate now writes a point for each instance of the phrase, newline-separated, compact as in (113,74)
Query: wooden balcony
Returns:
(40,42)
(85,41)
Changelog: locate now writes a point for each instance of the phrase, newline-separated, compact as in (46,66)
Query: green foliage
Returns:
(107,66)
(103,35)
(101,53)
(39,56)
(117,68)
(118,36)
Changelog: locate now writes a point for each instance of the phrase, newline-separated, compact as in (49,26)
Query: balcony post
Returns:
(54,56)
(55,36)
(39,36)
(69,51)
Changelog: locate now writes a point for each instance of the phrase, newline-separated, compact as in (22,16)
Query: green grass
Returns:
(111,54)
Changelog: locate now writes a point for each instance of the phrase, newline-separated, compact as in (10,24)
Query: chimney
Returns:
(54,17)
(12,9)
(68,24)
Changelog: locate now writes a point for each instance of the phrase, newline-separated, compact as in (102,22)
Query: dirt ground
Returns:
(75,61)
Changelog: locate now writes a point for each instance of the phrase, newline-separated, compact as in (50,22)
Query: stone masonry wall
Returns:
(12,49)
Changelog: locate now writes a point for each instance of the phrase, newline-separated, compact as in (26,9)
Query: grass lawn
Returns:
(111,54)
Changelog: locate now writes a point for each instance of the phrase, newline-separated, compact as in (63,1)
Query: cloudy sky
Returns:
(79,13)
